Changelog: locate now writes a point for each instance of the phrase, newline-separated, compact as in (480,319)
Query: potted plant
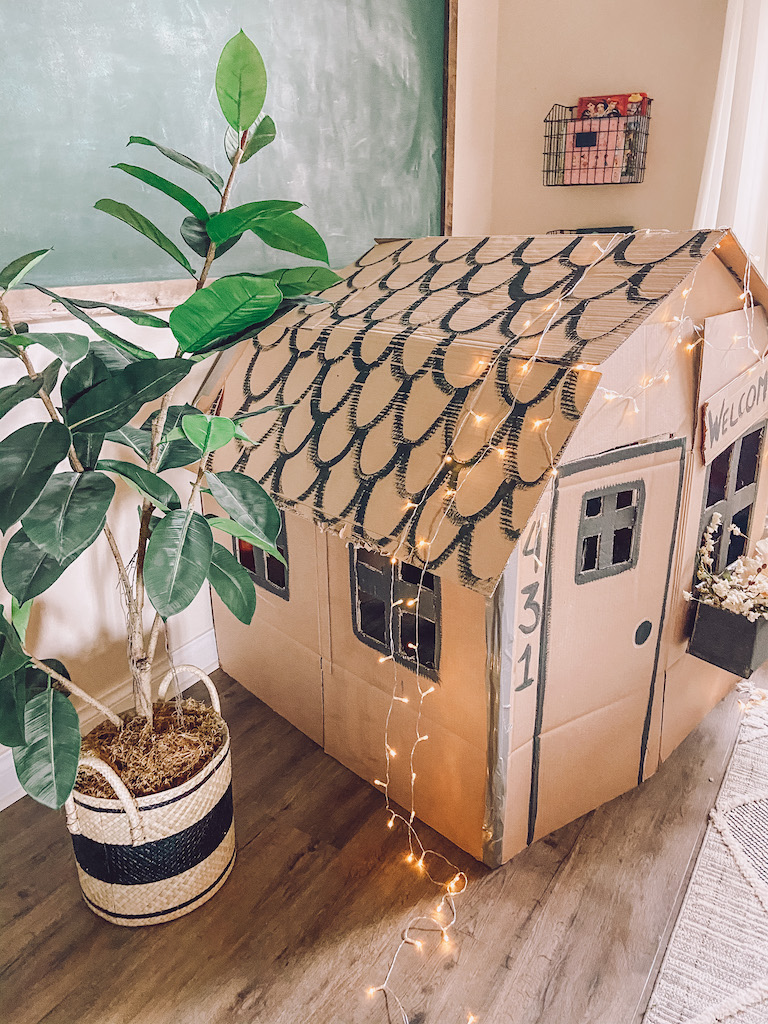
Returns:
(150,814)
(731,625)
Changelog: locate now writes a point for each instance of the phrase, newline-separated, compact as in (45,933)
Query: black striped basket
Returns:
(150,859)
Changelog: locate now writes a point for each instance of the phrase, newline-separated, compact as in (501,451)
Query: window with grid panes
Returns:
(609,531)
(266,570)
(396,609)
(729,488)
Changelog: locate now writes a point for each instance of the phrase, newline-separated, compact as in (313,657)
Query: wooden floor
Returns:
(569,932)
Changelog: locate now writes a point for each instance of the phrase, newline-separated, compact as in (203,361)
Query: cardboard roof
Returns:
(435,391)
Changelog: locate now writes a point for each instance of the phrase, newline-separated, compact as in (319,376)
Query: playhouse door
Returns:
(613,527)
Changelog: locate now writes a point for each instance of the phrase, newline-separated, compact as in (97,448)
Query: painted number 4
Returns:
(531,549)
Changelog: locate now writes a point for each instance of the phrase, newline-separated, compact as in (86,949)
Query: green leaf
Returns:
(28,456)
(12,275)
(20,617)
(261,136)
(208,433)
(70,513)
(113,402)
(247,502)
(137,440)
(145,227)
(232,583)
(81,378)
(181,195)
(47,763)
(27,570)
(241,82)
(291,234)
(120,343)
(13,697)
(177,453)
(38,681)
(14,394)
(236,530)
(50,375)
(183,161)
(88,448)
(222,226)
(12,657)
(226,306)
(134,315)
(148,484)
(177,561)
(194,234)
(301,280)
(69,347)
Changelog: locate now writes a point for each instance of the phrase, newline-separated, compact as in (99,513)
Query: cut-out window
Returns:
(267,571)
(609,531)
(730,488)
(396,609)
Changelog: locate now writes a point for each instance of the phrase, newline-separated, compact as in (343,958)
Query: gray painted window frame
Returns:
(607,523)
(259,576)
(385,588)
(728,506)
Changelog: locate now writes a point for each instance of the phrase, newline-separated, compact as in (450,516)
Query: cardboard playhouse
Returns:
(498,460)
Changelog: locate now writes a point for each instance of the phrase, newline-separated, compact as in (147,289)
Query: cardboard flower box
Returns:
(729,640)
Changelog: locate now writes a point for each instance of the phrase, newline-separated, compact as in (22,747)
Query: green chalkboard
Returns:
(355,88)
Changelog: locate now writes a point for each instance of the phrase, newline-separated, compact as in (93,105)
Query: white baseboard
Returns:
(201,651)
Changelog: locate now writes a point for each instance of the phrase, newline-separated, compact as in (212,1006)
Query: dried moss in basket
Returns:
(183,738)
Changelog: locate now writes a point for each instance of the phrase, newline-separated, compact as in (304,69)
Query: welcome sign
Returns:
(729,413)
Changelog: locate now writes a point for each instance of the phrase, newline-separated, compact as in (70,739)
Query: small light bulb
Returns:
(445,936)
(411,602)
(527,324)
(417,943)
(390,823)
(393,561)
(409,858)
(372,991)
(427,692)
(478,417)
(502,451)
(410,504)
(447,459)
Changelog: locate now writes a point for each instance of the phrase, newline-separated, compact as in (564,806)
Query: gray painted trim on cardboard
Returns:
(609,522)
(499,704)
(583,465)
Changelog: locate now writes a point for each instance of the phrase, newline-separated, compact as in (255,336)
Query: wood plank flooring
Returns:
(569,932)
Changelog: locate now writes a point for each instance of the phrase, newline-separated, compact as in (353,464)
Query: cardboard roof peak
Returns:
(434,393)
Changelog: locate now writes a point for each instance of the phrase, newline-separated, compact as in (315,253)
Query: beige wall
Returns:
(515,59)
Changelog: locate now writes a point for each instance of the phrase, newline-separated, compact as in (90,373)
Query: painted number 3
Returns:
(531,549)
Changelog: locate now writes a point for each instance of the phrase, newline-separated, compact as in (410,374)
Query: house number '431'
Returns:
(530,585)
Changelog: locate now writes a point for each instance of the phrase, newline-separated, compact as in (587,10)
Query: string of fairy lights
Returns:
(420,856)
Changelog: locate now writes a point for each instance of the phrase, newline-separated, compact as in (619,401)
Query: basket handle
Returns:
(193,670)
(130,806)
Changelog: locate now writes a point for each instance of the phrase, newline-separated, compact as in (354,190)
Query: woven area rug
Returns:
(715,970)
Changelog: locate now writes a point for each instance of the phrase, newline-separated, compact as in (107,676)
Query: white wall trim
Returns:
(200,651)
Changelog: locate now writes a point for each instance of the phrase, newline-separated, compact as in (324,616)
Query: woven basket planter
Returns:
(149,859)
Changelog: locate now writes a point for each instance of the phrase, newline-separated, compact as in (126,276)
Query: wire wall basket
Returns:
(603,149)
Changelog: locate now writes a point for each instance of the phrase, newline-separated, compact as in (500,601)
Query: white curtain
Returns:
(734,182)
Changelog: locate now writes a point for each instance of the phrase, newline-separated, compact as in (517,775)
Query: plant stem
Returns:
(224,200)
(75,690)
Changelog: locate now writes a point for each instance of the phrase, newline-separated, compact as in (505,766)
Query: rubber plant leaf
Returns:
(183,161)
(156,181)
(177,453)
(247,503)
(70,513)
(28,457)
(291,234)
(112,403)
(177,561)
(136,316)
(46,764)
(16,271)
(13,697)
(145,227)
(234,529)
(137,440)
(232,583)
(195,235)
(14,394)
(223,226)
(301,280)
(12,656)
(241,82)
(27,570)
(68,347)
(89,372)
(150,485)
(208,433)
(224,307)
(258,137)
(20,617)
(127,347)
